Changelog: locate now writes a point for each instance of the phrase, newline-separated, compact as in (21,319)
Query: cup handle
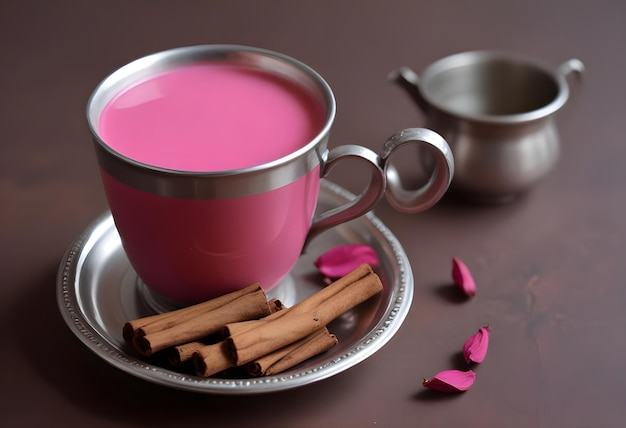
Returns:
(363,202)
(571,66)
(413,201)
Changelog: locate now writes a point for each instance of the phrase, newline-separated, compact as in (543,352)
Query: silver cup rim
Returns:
(266,59)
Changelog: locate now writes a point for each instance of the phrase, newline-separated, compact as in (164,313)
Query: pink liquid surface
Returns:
(210,117)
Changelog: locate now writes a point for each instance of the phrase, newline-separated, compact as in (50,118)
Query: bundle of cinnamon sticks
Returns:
(243,329)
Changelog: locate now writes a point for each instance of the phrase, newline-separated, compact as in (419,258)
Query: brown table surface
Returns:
(550,267)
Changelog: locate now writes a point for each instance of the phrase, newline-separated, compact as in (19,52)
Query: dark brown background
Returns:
(550,267)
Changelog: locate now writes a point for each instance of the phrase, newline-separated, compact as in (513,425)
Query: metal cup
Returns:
(192,235)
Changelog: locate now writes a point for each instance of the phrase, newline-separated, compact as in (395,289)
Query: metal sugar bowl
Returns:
(497,112)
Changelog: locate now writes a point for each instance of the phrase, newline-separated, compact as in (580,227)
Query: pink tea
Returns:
(210,117)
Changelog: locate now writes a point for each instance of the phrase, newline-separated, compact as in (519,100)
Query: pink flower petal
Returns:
(462,277)
(451,381)
(475,348)
(343,259)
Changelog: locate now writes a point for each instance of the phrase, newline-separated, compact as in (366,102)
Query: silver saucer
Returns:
(98,291)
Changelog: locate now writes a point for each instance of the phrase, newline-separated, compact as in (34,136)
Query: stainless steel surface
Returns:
(427,195)
(98,291)
(497,112)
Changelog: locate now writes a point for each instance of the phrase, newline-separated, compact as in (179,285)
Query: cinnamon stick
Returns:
(231,329)
(265,336)
(306,304)
(302,319)
(275,305)
(333,288)
(167,319)
(200,324)
(310,348)
(185,352)
(180,354)
(211,359)
(259,366)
